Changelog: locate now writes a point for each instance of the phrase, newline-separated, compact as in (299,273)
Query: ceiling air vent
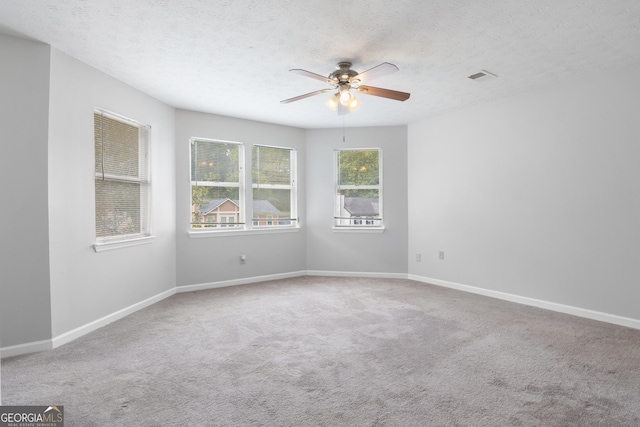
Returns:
(482,75)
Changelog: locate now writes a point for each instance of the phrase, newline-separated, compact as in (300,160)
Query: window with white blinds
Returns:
(122,181)
(274,187)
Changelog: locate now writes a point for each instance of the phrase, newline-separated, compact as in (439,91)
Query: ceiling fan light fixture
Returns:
(354,104)
(345,96)
(333,101)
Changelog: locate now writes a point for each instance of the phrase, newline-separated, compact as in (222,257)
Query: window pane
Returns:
(358,188)
(117,208)
(214,161)
(271,165)
(358,207)
(116,145)
(360,203)
(212,206)
(359,167)
(273,205)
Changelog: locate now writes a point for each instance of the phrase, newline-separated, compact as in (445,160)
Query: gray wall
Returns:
(52,281)
(215,259)
(25,314)
(537,195)
(85,285)
(356,252)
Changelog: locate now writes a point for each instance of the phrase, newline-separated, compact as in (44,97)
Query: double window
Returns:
(358,181)
(218,193)
(122,184)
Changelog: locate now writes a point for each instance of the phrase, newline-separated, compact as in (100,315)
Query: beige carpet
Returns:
(316,351)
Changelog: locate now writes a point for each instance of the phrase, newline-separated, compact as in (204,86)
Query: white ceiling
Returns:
(232,57)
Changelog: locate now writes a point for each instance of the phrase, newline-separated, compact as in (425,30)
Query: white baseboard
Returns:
(356,274)
(235,282)
(32,347)
(110,318)
(257,279)
(66,337)
(547,305)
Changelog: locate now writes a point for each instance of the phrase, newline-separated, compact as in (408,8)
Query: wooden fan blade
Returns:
(312,75)
(306,95)
(377,71)
(385,93)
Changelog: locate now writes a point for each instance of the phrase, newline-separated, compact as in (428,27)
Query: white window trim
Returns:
(363,228)
(197,234)
(117,242)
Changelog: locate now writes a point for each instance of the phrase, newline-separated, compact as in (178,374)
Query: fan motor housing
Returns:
(343,73)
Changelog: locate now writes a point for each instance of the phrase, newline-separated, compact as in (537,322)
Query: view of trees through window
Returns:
(358,186)
(218,189)
(272,182)
(215,184)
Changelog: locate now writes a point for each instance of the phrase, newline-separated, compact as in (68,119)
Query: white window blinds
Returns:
(121,177)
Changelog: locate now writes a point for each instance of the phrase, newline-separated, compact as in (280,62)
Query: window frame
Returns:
(240,185)
(292,187)
(360,224)
(143,179)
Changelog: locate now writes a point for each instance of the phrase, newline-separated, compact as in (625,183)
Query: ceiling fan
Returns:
(343,79)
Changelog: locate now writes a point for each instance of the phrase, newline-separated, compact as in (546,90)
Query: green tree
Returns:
(271,165)
(359,167)
(214,161)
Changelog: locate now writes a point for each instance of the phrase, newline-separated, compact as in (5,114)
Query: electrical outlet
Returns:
(418,257)
(441,255)
(243,259)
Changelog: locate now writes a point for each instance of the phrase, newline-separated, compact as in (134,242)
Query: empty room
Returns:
(285,213)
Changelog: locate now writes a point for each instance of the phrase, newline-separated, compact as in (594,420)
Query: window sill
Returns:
(193,234)
(358,229)
(119,244)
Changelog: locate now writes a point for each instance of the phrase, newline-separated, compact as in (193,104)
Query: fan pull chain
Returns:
(344,139)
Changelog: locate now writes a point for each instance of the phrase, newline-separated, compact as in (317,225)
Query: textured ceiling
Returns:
(232,57)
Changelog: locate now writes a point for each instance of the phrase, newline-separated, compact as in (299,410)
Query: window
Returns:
(217,193)
(274,186)
(358,201)
(122,181)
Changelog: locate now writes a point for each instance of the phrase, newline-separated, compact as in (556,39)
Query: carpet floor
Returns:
(320,351)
